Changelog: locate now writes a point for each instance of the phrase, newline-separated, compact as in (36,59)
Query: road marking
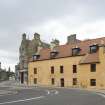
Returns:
(101,94)
(48,92)
(56,92)
(29,99)
(52,92)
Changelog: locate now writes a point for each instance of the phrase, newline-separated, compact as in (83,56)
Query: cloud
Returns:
(60,29)
(51,19)
(8,59)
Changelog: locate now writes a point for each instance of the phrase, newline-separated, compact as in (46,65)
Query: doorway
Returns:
(22,77)
(62,82)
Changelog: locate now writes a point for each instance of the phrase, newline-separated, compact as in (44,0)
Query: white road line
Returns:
(103,95)
(56,92)
(29,99)
(48,92)
(52,92)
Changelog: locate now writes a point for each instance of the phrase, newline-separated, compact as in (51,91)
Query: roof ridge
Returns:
(92,39)
(84,57)
(77,43)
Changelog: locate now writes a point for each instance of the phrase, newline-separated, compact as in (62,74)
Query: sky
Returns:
(51,19)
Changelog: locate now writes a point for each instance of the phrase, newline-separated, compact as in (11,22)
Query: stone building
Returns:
(75,64)
(27,49)
(4,75)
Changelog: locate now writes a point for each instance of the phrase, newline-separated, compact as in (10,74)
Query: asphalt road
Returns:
(48,96)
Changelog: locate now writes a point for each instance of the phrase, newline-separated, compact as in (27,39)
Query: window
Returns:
(93,48)
(74,68)
(52,81)
(75,51)
(35,70)
(74,81)
(53,53)
(93,67)
(35,80)
(52,69)
(35,57)
(92,82)
(61,69)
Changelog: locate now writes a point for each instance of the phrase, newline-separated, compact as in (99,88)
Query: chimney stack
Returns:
(39,48)
(71,39)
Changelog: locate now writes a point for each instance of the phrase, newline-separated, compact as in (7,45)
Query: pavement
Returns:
(13,86)
(9,87)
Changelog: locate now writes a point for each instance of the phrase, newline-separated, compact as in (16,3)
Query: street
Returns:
(52,96)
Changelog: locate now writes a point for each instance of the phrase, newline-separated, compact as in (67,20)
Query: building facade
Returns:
(26,50)
(75,64)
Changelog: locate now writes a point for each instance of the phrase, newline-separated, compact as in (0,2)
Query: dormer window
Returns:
(75,51)
(53,53)
(93,48)
(36,57)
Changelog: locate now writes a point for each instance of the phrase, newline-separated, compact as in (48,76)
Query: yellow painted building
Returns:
(77,64)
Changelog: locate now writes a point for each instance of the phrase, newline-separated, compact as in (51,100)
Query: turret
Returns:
(23,36)
(54,44)
(37,36)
